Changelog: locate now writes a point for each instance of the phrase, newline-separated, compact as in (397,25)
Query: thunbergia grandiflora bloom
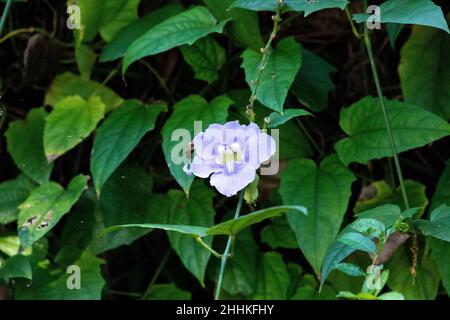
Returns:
(230,153)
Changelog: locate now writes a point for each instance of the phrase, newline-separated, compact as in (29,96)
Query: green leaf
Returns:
(350,269)
(193,231)
(240,275)
(391,296)
(439,224)
(425,53)
(51,284)
(206,57)
(16,267)
(278,74)
(424,287)
(412,127)
(86,58)
(12,194)
(183,28)
(168,292)
(324,191)
(234,226)
(9,245)
(45,206)
(358,241)
(72,120)
(127,198)
(273,278)
(379,193)
(186,111)
(442,193)
(108,17)
(197,210)
(440,252)
(297,5)
(293,148)
(421,12)
(279,234)
(121,13)
(24,139)
(124,38)
(388,214)
(118,135)
(277,119)
(393,30)
(313,82)
(337,252)
(244,27)
(68,84)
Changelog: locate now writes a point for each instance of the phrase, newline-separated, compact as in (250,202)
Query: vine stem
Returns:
(5,14)
(157,273)
(266,51)
(226,254)
(368,44)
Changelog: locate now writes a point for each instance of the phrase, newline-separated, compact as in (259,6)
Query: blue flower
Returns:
(230,154)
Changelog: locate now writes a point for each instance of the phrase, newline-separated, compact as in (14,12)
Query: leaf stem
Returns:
(204,245)
(352,24)
(398,168)
(5,14)
(309,137)
(226,253)
(266,51)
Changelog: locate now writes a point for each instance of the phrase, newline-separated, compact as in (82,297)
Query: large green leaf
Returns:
(422,12)
(272,278)
(16,267)
(297,5)
(279,234)
(51,284)
(240,273)
(278,74)
(124,38)
(127,198)
(118,135)
(439,224)
(206,57)
(186,111)
(244,27)
(68,84)
(45,206)
(196,210)
(426,283)
(293,148)
(440,253)
(232,227)
(12,194)
(72,120)
(325,192)
(412,127)
(24,139)
(183,28)
(313,82)
(108,17)
(426,53)
(357,241)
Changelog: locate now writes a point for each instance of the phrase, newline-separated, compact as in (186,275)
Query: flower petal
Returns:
(229,184)
(203,168)
(260,148)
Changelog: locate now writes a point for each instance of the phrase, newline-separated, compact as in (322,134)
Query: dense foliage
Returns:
(96,203)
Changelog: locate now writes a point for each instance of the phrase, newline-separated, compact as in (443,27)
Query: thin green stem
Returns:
(160,79)
(204,245)
(157,274)
(266,51)
(5,14)
(352,24)
(226,253)
(392,144)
